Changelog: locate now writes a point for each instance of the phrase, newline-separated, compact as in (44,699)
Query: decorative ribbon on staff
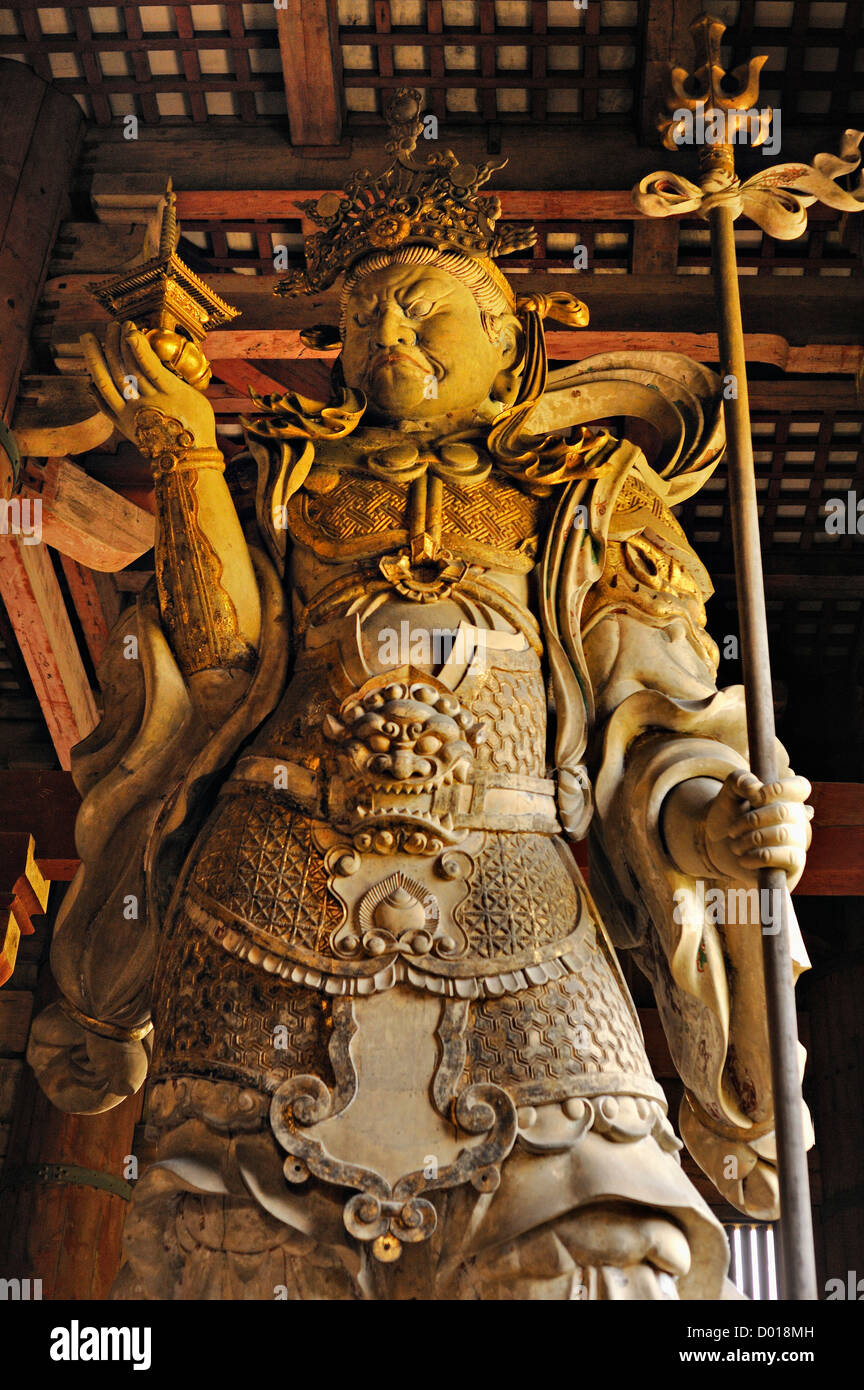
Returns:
(776,200)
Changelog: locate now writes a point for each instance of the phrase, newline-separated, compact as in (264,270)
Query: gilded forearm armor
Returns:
(206,591)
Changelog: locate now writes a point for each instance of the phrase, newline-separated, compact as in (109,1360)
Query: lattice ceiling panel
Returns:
(829,247)
(249,247)
(815,72)
(478,60)
(171,63)
(803,459)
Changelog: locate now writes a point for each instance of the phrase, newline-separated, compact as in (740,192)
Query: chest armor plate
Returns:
(345,511)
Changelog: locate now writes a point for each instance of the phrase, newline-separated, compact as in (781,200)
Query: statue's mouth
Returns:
(392,358)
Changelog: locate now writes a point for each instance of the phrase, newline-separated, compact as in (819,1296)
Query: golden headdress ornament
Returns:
(433,202)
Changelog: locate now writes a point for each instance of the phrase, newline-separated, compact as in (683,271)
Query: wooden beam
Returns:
(232,205)
(835,863)
(86,520)
(665,39)
(767,348)
(87,602)
(544,204)
(99,248)
(312,69)
(283,343)
(811,311)
(47,803)
(23,895)
(551,155)
(816,394)
(799,585)
(40,137)
(655,247)
(804,395)
(44,803)
(309,377)
(35,606)
(57,415)
(242,375)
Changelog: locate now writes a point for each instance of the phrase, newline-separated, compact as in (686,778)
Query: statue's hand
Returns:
(136,391)
(79,1071)
(751,826)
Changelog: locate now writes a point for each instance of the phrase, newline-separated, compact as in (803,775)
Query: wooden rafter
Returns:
(82,518)
(88,599)
(36,609)
(23,895)
(312,71)
(665,39)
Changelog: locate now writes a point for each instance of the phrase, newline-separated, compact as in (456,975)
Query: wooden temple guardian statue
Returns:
(328,906)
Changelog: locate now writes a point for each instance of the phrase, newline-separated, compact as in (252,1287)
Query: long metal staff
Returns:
(798,1268)
(713,120)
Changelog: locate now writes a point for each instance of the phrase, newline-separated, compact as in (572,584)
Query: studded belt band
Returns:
(485,801)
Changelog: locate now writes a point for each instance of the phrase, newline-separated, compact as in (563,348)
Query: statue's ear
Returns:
(505,388)
(322,336)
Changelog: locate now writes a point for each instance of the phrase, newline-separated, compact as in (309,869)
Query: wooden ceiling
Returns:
(476,60)
(252,108)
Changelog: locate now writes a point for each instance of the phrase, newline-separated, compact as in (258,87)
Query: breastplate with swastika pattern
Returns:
(352,508)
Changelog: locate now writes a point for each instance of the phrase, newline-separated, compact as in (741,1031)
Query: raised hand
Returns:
(141,396)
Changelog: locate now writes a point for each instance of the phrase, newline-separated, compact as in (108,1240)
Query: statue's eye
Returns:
(419,309)
(362,319)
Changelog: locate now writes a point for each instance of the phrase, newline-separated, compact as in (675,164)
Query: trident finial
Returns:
(723,113)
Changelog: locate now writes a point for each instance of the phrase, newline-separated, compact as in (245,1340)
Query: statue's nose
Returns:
(394,328)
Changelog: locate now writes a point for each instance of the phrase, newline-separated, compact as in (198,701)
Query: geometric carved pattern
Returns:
(357,506)
(557,1034)
(225,1019)
(520,896)
(513,705)
(496,514)
(259,862)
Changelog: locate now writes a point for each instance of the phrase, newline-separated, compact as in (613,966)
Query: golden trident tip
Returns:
(714,104)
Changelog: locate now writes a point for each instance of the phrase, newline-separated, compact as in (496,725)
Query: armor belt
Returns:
(486,800)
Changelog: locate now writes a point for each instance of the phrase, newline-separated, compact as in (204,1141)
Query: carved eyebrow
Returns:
(424,289)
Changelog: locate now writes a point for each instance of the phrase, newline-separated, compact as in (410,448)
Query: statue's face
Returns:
(416,345)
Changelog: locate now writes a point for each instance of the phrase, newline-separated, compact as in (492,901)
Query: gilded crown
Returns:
(433,202)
